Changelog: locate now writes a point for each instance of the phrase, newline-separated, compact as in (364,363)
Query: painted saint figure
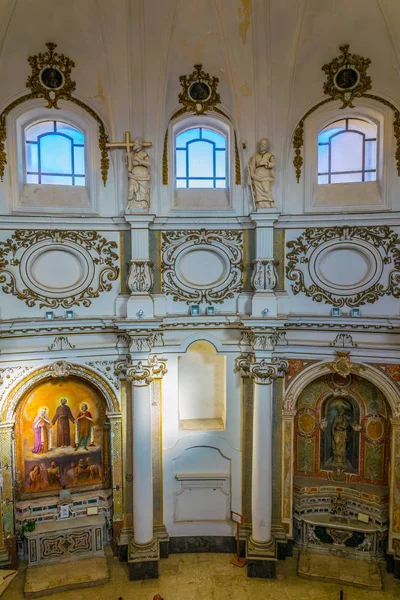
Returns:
(41,427)
(261,175)
(340,427)
(84,425)
(138,162)
(62,417)
(53,475)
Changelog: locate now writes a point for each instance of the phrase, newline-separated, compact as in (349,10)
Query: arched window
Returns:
(54,154)
(347,151)
(200,159)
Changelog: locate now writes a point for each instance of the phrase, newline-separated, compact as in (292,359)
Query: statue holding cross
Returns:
(138,163)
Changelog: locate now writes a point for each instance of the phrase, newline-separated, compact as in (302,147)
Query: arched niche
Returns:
(202,387)
(110,412)
(310,396)
(62,438)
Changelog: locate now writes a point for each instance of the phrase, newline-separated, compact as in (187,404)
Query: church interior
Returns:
(199,299)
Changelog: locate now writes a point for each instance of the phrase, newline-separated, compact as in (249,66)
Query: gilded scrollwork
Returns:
(51,79)
(229,245)
(199,95)
(379,241)
(347,79)
(98,251)
(143,372)
(51,76)
(263,371)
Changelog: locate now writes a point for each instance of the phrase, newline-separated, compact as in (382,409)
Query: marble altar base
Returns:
(41,581)
(333,569)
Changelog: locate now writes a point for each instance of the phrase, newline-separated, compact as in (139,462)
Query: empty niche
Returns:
(201,388)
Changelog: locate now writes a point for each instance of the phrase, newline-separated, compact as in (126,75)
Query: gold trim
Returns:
(347,63)
(346,96)
(199,107)
(100,250)
(63,65)
(165,160)
(244,258)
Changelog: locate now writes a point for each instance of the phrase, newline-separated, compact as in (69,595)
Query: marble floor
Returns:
(212,577)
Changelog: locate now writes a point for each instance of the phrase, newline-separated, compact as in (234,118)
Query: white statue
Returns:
(260,176)
(138,162)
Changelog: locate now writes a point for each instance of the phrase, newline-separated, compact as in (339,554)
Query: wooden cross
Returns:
(128,143)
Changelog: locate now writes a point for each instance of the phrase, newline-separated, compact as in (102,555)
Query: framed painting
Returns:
(61,438)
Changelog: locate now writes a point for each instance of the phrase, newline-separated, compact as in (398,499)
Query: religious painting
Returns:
(61,438)
(340,445)
(52,78)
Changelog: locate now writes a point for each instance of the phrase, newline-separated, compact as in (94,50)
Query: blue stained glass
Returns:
(55,154)
(187,136)
(201,162)
(323,158)
(32,157)
(181,163)
(56,180)
(32,179)
(72,132)
(181,183)
(32,133)
(370,155)
(79,160)
(201,183)
(370,176)
(220,183)
(220,163)
(213,136)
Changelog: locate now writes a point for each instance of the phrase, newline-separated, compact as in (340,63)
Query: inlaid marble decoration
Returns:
(342,431)
(60,438)
(396,481)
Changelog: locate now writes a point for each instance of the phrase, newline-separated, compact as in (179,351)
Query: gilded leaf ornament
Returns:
(380,242)
(347,79)
(50,79)
(96,252)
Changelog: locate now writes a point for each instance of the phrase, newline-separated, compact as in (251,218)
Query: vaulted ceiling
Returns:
(268,55)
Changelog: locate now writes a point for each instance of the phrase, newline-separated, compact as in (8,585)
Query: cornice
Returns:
(78,223)
(346,218)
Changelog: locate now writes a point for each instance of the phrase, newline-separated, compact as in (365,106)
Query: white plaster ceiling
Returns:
(267,53)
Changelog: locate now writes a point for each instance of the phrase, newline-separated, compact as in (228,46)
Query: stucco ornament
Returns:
(138,163)
(261,175)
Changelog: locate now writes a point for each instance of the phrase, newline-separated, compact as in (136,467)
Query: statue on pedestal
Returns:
(261,175)
(138,163)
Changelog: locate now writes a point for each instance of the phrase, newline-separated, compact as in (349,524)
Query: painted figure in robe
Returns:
(84,424)
(41,427)
(62,417)
(53,475)
(138,162)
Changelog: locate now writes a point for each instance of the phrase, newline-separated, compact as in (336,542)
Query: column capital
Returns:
(263,371)
(263,339)
(142,372)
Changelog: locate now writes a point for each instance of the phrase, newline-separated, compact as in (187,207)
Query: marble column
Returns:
(143,553)
(261,547)
(394,504)
(8,545)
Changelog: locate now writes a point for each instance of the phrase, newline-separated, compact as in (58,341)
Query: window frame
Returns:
(214,177)
(352,197)
(201,201)
(73,175)
(33,198)
(363,170)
